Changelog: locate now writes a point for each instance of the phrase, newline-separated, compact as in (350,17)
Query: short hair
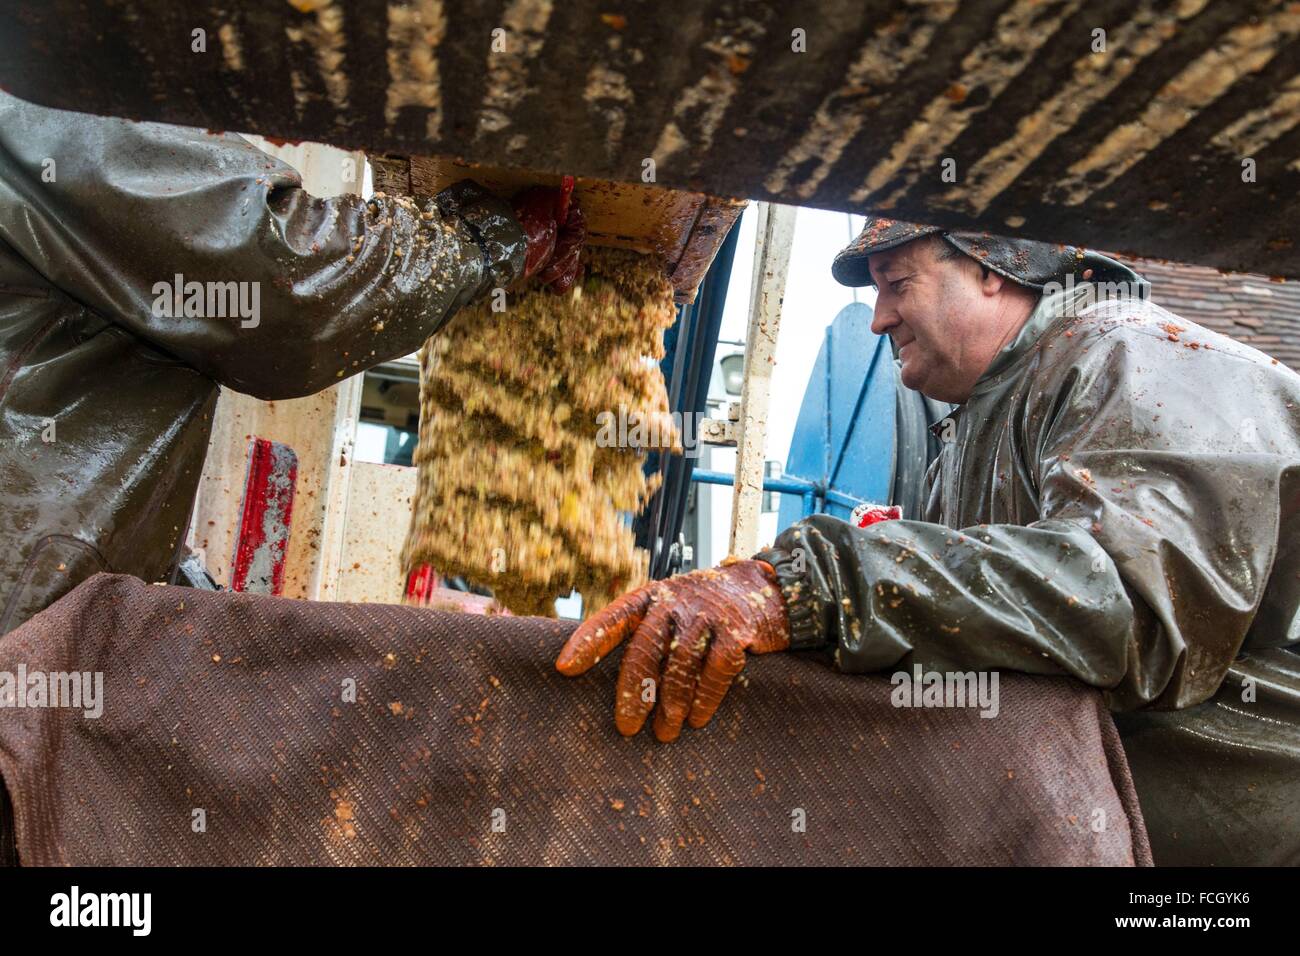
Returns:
(946,251)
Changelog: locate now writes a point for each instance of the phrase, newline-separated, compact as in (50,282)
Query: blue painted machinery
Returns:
(860,435)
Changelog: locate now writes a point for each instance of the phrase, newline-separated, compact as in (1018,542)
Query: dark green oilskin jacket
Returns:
(106,402)
(1118,501)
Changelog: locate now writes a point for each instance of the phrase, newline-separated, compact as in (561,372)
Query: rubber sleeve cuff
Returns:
(806,632)
(491,221)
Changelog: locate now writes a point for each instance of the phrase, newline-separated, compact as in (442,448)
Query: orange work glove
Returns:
(689,638)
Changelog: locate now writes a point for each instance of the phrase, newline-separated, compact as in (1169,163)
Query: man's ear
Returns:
(992,282)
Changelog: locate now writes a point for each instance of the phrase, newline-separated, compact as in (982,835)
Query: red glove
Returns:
(565,267)
(864,516)
(689,638)
(547,215)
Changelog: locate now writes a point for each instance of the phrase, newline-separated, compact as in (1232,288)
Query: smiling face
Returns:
(948,317)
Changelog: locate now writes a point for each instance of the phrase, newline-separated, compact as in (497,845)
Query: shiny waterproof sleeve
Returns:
(1169,496)
(294,292)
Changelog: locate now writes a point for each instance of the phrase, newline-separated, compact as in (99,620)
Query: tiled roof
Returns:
(1249,308)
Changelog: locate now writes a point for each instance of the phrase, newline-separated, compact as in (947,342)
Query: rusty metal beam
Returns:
(1167,128)
(683,229)
(772,244)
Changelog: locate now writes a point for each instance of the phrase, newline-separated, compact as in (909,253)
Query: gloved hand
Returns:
(689,638)
(565,267)
(554,229)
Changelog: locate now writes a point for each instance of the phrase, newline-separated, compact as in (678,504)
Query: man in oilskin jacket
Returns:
(1117,499)
(106,398)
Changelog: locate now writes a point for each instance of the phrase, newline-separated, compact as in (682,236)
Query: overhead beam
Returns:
(1165,128)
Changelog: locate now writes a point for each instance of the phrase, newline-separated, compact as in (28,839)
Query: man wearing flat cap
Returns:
(1117,500)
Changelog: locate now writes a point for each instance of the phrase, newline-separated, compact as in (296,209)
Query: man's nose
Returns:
(883,319)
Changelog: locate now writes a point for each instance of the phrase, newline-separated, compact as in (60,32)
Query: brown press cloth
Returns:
(232,705)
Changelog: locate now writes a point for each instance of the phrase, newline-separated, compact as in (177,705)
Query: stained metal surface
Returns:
(842,104)
(266,518)
(684,229)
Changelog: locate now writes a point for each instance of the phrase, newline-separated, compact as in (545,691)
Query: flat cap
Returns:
(1027,261)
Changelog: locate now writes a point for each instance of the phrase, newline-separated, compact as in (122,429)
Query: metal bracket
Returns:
(715,431)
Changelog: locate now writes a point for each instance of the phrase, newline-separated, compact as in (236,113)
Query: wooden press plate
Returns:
(683,228)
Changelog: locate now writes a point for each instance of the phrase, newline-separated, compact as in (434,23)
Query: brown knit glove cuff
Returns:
(806,632)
